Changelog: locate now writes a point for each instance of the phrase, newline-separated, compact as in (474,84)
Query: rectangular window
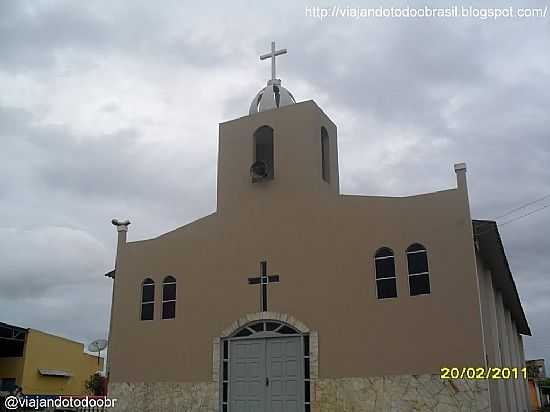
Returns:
(386,288)
(385,267)
(169,291)
(169,309)
(325,155)
(148,294)
(417,262)
(307,377)
(147,310)
(225,375)
(419,284)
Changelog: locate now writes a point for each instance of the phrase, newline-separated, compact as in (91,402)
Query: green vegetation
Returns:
(96,385)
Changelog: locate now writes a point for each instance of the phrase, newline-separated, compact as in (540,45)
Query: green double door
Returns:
(266,375)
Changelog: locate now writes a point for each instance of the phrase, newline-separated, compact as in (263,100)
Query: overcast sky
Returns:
(111,109)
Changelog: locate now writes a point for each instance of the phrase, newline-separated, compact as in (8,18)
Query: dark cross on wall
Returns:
(263,280)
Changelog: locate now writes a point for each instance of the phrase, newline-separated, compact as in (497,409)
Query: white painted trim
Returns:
(388,277)
(417,251)
(384,257)
(419,273)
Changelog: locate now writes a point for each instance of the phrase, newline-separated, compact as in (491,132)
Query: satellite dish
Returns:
(97,345)
(258,171)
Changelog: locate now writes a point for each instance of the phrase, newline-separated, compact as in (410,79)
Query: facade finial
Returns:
(122,229)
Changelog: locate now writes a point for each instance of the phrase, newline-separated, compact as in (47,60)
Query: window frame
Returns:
(147,282)
(325,155)
(417,248)
(377,279)
(172,281)
(270,163)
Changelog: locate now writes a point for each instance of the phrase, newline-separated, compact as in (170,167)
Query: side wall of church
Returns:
(504,346)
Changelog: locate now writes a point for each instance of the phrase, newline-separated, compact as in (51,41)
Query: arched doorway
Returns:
(265,365)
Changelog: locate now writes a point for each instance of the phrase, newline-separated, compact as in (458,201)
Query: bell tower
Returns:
(282,152)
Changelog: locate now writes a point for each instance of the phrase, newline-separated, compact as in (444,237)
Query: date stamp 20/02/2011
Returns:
(484,373)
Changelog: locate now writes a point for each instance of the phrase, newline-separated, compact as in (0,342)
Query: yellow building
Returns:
(42,363)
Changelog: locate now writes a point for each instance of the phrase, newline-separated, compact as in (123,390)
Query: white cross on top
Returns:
(271,56)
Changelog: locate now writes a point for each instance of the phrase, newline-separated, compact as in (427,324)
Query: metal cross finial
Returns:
(271,56)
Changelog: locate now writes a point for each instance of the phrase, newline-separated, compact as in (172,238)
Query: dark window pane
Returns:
(306,368)
(308,407)
(169,279)
(224,407)
(169,292)
(225,371)
(325,155)
(418,262)
(258,327)
(225,349)
(384,252)
(285,330)
(148,281)
(225,392)
(306,345)
(419,284)
(147,311)
(243,332)
(385,268)
(415,247)
(263,138)
(306,392)
(387,288)
(148,293)
(169,310)
(271,325)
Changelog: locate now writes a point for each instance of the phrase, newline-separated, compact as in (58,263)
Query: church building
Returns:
(293,297)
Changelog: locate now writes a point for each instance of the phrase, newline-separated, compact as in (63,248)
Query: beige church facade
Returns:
(295,297)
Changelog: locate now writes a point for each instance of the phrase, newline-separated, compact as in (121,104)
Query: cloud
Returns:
(33,264)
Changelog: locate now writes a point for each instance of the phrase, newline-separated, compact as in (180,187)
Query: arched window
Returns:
(419,276)
(325,155)
(147,299)
(169,298)
(270,327)
(263,150)
(386,280)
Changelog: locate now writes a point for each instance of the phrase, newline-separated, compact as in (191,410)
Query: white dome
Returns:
(270,97)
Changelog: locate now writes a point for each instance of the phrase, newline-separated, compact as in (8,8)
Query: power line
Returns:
(524,215)
(522,206)
(515,218)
